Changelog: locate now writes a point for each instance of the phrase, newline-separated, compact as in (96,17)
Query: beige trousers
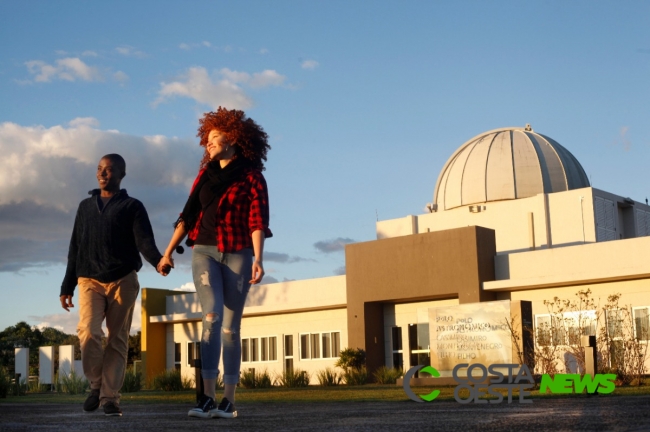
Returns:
(104,367)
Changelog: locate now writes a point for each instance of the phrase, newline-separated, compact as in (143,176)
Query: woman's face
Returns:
(217,146)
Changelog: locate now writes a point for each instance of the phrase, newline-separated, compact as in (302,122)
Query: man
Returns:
(110,231)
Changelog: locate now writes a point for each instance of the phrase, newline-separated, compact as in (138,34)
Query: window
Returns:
(259,349)
(641,317)
(245,350)
(288,353)
(177,356)
(564,329)
(615,318)
(320,345)
(193,352)
(396,342)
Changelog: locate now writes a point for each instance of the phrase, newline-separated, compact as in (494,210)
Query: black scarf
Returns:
(219,180)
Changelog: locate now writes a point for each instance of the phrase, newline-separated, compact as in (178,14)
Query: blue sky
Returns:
(363,101)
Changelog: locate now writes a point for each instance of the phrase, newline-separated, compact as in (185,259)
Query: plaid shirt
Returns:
(243,208)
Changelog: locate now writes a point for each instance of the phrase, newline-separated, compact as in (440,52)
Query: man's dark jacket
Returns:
(105,243)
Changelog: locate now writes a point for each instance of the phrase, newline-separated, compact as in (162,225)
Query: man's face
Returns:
(109,175)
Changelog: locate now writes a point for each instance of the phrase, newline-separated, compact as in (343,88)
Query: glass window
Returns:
(288,345)
(642,323)
(253,351)
(327,345)
(264,345)
(190,354)
(315,346)
(336,344)
(177,356)
(304,346)
(396,333)
(615,323)
(245,350)
(273,353)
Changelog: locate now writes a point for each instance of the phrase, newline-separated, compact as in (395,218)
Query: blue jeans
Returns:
(222,283)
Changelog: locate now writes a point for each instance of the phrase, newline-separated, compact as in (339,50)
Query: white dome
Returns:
(505,164)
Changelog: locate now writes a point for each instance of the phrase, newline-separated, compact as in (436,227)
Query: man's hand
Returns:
(258,272)
(66,302)
(165,265)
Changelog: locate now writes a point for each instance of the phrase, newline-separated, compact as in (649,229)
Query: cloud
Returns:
(334,245)
(89,53)
(46,172)
(66,69)
(309,64)
(189,287)
(283,258)
(264,51)
(623,140)
(224,88)
(269,279)
(129,51)
(339,271)
(120,76)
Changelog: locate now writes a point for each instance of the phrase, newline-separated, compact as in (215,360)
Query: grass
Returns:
(315,394)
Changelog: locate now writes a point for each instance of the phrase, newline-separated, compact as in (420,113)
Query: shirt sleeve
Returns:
(70,278)
(144,238)
(258,217)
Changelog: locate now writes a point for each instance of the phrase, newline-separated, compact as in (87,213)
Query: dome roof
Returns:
(505,164)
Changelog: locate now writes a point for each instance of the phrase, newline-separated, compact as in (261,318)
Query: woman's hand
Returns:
(258,272)
(165,265)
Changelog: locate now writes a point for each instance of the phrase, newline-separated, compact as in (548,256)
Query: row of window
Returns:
(567,328)
(322,345)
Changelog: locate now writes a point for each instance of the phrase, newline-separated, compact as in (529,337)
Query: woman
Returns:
(226,219)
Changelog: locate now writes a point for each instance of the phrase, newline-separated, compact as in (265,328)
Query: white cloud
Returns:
(89,53)
(264,51)
(334,245)
(46,172)
(120,76)
(206,44)
(224,88)
(184,46)
(189,287)
(129,51)
(67,69)
(309,64)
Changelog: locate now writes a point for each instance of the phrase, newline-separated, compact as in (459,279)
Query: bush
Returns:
(132,381)
(250,379)
(171,380)
(293,378)
(328,377)
(71,383)
(5,382)
(356,376)
(351,358)
(386,375)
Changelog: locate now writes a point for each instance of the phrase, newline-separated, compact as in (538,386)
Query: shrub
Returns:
(351,358)
(328,377)
(71,383)
(293,378)
(386,375)
(5,382)
(356,376)
(171,380)
(247,379)
(132,381)
(250,379)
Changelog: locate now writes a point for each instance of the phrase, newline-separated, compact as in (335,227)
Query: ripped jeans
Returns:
(222,283)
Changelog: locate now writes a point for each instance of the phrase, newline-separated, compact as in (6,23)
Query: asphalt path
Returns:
(620,413)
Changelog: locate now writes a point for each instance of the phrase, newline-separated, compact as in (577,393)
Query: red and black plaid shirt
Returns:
(242,209)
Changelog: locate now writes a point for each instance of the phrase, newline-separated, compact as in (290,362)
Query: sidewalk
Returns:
(624,413)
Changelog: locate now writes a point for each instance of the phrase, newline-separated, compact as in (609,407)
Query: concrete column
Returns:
(22,363)
(46,365)
(66,359)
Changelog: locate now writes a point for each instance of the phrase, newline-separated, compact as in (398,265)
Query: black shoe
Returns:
(202,409)
(111,409)
(92,401)
(225,410)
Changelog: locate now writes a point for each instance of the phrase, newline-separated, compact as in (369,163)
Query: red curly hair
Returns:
(249,139)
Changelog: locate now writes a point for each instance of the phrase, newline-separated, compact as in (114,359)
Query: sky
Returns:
(363,102)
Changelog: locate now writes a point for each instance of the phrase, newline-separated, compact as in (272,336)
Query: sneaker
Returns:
(202,409)
(92,401)
(225,410)
(111,409)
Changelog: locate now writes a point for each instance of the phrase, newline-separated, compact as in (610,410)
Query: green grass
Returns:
(316,394)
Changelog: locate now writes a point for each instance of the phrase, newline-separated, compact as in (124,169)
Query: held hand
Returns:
(165,265)
(258,272)
(66,302)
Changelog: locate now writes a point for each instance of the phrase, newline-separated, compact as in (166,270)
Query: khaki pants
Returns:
(104,368)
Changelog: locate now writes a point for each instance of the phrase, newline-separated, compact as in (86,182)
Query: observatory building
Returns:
(513,217)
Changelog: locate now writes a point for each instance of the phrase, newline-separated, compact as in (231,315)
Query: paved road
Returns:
(626,413)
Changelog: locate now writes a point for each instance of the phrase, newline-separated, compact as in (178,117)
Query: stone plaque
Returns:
(470,333)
